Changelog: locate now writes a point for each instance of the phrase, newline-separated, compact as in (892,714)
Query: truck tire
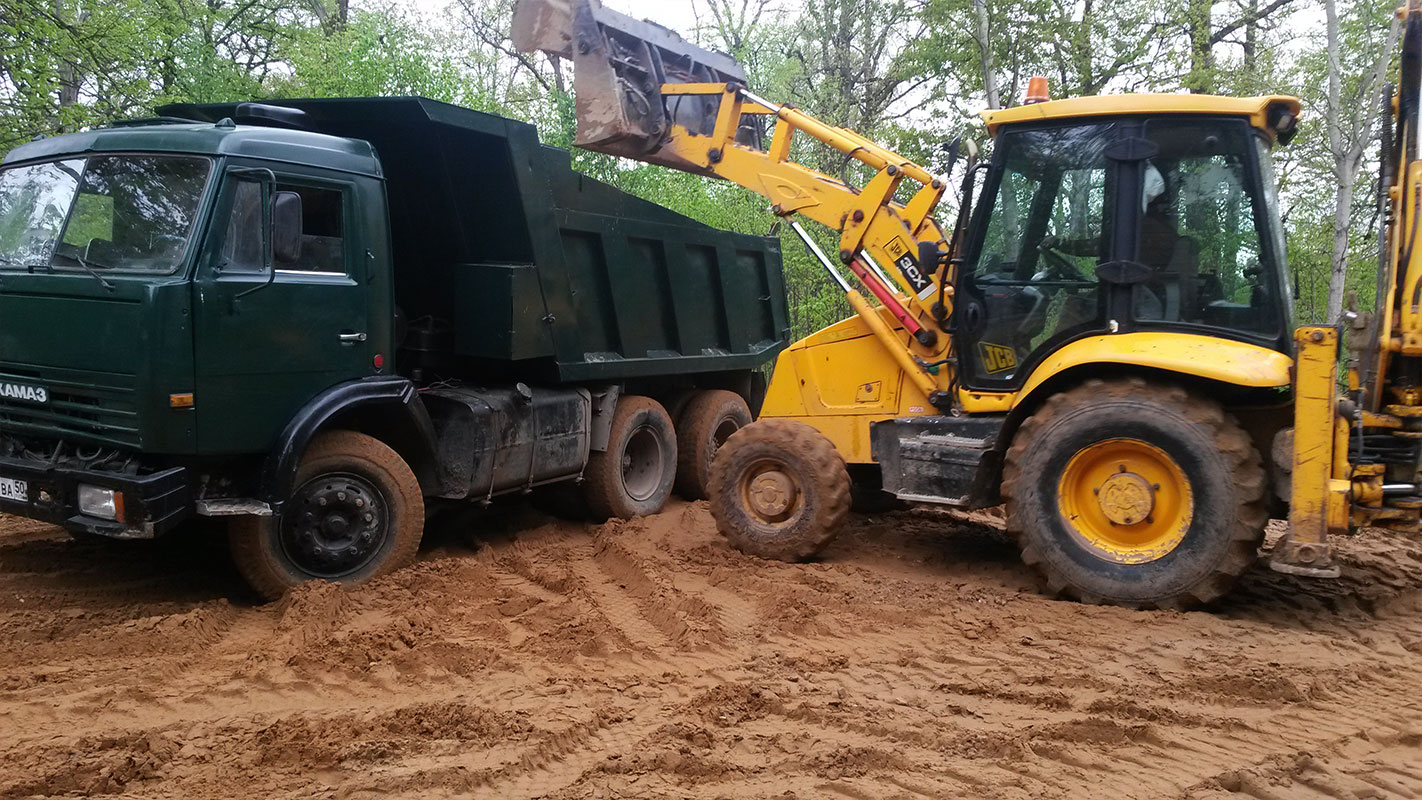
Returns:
(1135,494)
(356,512)
(709,419)
(633,477)
(779,490)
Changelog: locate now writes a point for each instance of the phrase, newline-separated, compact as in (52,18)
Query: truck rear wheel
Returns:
(779,490)
(1139,495)
(356,512)
(633,477)
(709,419)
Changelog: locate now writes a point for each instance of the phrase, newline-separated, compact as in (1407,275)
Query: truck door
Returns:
(276,322)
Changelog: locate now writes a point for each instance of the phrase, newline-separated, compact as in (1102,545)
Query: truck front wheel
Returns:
(356,512)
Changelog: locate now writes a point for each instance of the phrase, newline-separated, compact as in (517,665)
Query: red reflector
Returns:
(379,361)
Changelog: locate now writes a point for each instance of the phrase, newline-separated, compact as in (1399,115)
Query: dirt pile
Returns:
(525,656)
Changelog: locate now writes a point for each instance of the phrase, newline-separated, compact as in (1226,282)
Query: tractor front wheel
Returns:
(779,490)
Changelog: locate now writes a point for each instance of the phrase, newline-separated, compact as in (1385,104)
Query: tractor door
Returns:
(1032,279)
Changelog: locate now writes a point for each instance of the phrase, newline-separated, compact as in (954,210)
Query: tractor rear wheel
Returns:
(779,490)
(1135,494)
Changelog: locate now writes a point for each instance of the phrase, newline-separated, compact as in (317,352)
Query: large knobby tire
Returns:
(1135,494)
(633,477)
(707,422)
(356,512)
(779,490)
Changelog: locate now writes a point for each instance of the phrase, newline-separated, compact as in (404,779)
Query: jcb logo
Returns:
(908,267)
(996,358)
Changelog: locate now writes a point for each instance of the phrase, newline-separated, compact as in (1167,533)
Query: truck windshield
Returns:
(121,213)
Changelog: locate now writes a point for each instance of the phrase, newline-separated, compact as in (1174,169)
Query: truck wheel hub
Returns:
(335,525)
(642,464)
(1126,498)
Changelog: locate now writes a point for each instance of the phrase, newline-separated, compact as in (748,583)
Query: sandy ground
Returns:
(649,659)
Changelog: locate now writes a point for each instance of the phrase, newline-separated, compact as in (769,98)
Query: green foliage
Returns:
(908,73)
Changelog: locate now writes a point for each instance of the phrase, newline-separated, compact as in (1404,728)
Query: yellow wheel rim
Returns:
(770,493)
(1125,500)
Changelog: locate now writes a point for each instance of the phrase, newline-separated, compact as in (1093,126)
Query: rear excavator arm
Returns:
(1356,457)
(645,94)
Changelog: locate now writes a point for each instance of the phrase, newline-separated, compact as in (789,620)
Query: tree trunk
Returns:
(985,53)
(69,78)
(1347,155)
(1342,210)
(1202,58)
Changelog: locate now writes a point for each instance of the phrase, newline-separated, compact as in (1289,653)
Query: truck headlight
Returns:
(96,501)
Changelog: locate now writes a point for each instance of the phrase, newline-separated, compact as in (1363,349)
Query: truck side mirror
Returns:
(286,227)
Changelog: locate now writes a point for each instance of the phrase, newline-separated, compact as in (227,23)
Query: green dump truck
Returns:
(320,318)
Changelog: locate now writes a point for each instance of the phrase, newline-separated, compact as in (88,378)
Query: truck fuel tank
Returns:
(496,440)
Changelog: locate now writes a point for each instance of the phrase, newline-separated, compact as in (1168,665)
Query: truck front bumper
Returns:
(153,504)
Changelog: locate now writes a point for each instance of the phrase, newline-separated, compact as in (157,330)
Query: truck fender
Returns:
(398,406)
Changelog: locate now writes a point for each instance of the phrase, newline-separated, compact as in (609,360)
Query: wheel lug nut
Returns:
(359,503)
(320,501)
(342,496)
(369,517)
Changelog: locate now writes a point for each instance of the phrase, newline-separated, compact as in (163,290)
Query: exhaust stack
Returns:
(619,67)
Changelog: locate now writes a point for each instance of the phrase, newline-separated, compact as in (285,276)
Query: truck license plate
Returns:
(11,489)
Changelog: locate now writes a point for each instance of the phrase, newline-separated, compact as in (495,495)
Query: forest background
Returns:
(912,74)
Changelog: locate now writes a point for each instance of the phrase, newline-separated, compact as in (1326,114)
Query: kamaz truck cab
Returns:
(201,317)
(144,267)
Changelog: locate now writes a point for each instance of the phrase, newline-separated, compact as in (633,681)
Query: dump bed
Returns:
(511,255)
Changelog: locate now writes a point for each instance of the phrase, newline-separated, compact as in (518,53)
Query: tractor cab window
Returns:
(1202,229)
(1034,277)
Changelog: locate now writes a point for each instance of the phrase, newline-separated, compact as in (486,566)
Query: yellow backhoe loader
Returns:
(1103,340)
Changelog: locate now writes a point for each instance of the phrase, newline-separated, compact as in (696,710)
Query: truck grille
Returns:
(94,407)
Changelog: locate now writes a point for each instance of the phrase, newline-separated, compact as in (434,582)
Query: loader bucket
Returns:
(619,67)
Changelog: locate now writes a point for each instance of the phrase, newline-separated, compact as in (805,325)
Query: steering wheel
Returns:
(1058,266)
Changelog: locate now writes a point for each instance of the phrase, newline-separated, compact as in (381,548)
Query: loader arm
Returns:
(643,93)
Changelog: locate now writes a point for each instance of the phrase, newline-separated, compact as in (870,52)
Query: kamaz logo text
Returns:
(29,394)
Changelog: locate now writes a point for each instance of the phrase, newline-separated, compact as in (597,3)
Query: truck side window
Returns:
(323,247)
(242,244)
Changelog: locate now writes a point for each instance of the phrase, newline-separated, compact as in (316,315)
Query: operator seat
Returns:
(1179,280)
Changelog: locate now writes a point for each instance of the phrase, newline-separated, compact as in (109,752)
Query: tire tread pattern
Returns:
(695,428)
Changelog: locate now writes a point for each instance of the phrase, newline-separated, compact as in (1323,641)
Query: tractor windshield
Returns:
(122,213)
